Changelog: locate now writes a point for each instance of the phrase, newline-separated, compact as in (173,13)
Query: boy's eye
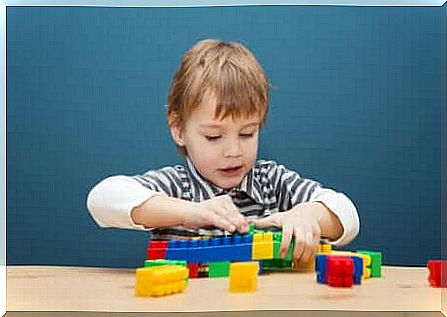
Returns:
(246,135)
(212,137)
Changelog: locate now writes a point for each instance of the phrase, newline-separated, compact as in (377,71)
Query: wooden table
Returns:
(400,292)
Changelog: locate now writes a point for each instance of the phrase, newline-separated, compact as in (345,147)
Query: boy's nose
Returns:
(233,149)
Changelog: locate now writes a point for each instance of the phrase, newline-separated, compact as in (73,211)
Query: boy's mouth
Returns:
(231,171)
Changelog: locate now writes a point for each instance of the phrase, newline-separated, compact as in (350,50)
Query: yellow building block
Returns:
(262,246)
(160,280)
(243,276)
(325,248)
(307,266)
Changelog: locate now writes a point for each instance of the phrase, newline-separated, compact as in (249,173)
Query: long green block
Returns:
(158,262)
(276,264)
(376,262)
(219,269)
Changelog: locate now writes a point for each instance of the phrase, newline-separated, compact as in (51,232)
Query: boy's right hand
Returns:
(220,212)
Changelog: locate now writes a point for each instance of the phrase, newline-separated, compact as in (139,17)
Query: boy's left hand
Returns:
(301,222)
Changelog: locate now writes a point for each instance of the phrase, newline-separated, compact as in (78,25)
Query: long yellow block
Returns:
(160,280)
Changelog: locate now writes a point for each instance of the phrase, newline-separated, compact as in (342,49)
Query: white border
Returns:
(219,3)
(130,3)
(3,157)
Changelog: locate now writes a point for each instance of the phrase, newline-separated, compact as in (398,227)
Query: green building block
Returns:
(219,269)
(376,262)
(251,229)
(277,237)
(276,264)
(149,263)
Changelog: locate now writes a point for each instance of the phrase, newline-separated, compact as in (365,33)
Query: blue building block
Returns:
(320,268)
(229,248)
(358,269)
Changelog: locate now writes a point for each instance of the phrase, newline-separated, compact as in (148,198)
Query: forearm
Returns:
(162,211)
(330,225)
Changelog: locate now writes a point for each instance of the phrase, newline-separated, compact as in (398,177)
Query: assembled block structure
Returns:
(337,268)
(238,256)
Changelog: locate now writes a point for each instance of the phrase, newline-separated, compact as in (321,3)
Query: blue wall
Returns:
(355,104)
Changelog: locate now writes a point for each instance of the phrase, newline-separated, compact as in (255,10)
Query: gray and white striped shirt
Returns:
(267,189)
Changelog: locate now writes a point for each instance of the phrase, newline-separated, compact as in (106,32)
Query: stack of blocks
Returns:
(242,257)
(345,268)
(216,254)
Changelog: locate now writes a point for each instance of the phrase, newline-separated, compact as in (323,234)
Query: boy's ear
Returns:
(176,128)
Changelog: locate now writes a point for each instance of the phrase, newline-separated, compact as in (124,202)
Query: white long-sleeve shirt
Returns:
(268,188)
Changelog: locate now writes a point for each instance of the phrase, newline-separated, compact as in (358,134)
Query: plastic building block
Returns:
(193,270)
(437,276)
(156,250)
(277,238)
(219,269)
(203,270)
(358,269)
(261,267)
(160,280)
(276,264)
(325,248)
(243,276)
(307,266)
(159,262)
(320,268)
(376,262)
(228,248)
(340,271)
(251,229)
(262,246)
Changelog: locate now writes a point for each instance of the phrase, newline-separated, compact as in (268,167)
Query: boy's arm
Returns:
(111,201)
(122,202)
(162,211)
(337,216)
(332,209)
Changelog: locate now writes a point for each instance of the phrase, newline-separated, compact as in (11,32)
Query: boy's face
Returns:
(222,150)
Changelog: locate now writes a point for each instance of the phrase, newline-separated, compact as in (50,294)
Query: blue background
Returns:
(355,104)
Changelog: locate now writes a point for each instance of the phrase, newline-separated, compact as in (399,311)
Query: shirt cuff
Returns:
(111,201)
(345,211)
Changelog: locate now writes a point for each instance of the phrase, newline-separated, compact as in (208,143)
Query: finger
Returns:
(221,223)
(233,214)
(299,243)
(310,248)
(264,222)
(287,232)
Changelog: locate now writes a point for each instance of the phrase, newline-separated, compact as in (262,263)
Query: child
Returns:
(217,103)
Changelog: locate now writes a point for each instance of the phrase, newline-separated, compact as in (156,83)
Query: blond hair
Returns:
(226,70)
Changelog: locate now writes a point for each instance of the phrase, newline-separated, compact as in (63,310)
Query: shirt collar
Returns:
(249,185)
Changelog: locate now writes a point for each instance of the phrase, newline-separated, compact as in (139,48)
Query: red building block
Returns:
(437,276)
(340,271)
(193,270)
(156,250)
